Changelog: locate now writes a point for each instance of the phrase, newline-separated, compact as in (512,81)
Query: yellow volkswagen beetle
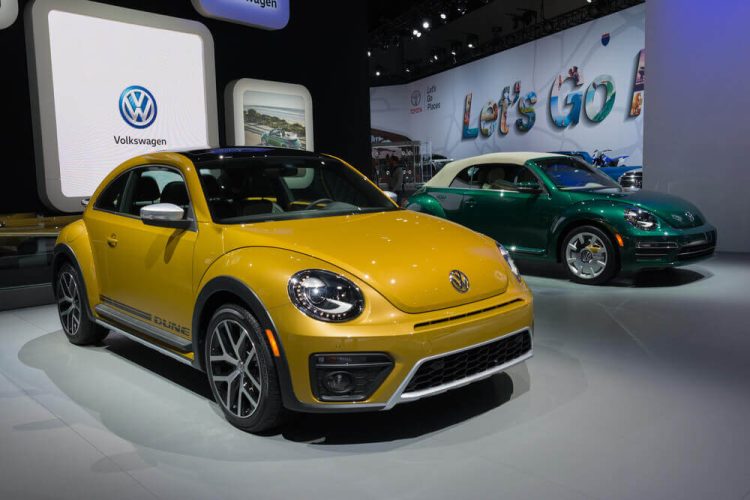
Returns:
(291,280)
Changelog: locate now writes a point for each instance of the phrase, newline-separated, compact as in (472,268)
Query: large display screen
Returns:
(266,113)
(114,83)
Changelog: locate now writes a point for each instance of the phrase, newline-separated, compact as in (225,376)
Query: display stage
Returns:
(636,390)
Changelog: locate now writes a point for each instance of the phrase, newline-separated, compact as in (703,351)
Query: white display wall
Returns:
(575,75)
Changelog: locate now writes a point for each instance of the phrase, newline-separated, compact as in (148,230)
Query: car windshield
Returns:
(277,188)
(573,174)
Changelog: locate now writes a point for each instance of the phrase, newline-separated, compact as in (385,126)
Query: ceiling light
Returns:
(369,53)
(443,16)
(426,24)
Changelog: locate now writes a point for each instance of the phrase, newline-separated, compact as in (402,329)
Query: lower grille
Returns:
(460,365)
(696,251)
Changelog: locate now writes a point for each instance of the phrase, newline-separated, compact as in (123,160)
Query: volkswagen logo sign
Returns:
(459,281)
(138,106)
(416,98)
(690,216)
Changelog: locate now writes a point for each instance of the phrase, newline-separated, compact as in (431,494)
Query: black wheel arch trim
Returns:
(257,308)
(63,252)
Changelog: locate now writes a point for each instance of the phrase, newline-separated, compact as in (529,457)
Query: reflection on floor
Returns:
(637,390)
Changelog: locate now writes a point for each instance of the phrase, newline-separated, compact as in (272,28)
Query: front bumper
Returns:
(668,248)
(469,343)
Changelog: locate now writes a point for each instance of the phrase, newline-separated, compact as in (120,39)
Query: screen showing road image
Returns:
(273,119)
(116,83)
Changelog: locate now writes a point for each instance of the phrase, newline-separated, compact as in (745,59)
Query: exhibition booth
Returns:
(288,249)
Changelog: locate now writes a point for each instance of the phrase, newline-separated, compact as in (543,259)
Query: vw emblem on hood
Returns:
(138,106)
(690,216)
(459,281)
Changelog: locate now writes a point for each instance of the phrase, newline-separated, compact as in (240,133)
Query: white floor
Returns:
(639,390)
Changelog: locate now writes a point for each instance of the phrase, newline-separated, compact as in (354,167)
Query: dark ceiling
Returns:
(471,29)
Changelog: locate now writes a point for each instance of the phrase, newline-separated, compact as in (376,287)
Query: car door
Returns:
(502,205)
(146,271)
(450,197)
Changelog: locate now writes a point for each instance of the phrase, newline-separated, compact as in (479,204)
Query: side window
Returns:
(111,198)
(466,178)
(151,185)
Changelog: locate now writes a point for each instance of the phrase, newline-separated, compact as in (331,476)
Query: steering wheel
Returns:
(313,203)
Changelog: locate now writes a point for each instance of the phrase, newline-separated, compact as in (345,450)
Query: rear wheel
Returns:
(71,306)
(241,371)
(588,256)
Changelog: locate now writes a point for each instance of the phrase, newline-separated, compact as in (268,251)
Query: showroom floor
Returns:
(638,390)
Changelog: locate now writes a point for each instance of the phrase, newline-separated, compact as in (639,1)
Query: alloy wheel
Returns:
(69,302)
(235,370)
(586,255)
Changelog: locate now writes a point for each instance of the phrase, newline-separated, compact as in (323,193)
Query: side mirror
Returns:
(164,215)
(529,188)
(393,196)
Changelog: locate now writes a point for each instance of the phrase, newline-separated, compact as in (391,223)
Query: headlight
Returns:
(325,296)
(641,219)
(509,260)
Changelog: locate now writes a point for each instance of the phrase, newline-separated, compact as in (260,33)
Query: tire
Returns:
(589,256)
(241,371)
(72,307)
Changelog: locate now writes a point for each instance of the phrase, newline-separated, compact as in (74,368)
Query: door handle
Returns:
(112,240)
(470,203)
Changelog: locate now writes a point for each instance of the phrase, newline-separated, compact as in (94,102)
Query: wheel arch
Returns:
(565,228)
(230,290)
(61,255)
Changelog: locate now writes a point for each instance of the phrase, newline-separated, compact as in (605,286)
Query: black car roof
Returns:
(208,155)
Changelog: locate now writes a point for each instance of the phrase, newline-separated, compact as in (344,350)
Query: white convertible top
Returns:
(450,170)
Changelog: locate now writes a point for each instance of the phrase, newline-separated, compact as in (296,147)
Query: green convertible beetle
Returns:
(555,207)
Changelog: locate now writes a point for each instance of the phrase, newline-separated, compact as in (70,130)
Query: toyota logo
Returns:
(138,106)
(459,281)
(416,98)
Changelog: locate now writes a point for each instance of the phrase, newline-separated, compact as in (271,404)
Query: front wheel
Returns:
(241,371)
(71,307)
(588,256)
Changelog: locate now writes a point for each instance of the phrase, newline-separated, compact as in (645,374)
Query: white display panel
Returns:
(115,83)
(262,112)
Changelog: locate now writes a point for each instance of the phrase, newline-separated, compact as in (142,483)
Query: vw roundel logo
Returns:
(690,216)
(459,281)
(416,98)
(138,106)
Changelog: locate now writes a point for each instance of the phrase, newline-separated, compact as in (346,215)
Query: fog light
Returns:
(348,376)
(339,382)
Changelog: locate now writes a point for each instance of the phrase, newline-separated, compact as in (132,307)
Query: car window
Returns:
(155,184)
(493,176)
(112,196)
(277,188)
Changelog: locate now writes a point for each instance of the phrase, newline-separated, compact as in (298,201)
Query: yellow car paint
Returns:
(399,259)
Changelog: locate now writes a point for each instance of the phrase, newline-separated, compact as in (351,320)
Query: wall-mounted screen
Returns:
(265,113)
(113,83)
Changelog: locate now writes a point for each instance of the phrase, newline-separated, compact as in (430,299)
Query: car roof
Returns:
(198,156)
(446,175)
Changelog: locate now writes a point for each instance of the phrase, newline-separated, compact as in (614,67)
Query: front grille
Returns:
(696,251)
(465,315)
(464,364)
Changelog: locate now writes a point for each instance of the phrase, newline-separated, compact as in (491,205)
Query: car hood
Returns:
(405,256)
(673,210)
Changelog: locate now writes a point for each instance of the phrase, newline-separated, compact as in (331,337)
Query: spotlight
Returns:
(414,31)
(455,47)
(369,53)
(426,24)
(472,40)
(588,1)
(461,8)
(419,34)
(443,16)
(377,72)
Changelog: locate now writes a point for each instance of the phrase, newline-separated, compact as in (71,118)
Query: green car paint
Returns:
(532,216)
(280,138)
